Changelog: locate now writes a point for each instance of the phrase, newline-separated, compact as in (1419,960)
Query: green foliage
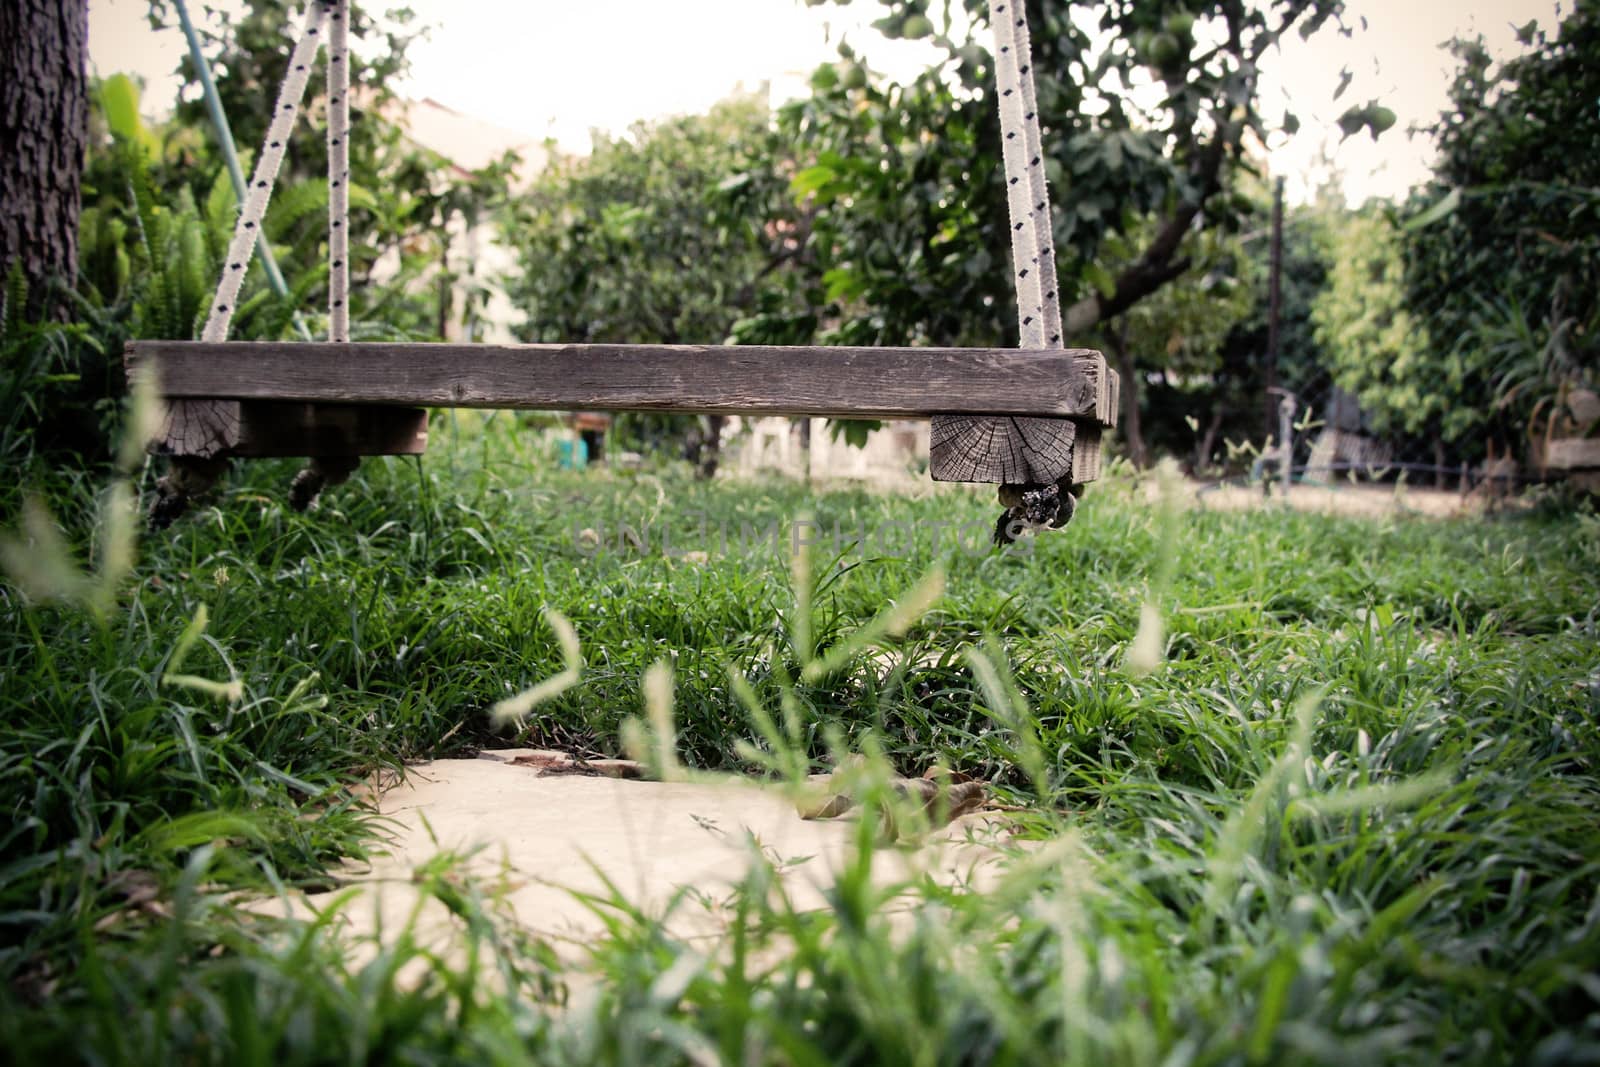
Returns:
(1377,350)
(159,212)
(1373,117)
(146,269)
(1502,251)
(1183,326)
(405,200)
(151,264)
(150,253)
(248,48)
(1232,408)
(40,377)
(911,238)
(1346,810)
(884,173)
(658,236)
(1170,346)
(894,229)
(1307,231)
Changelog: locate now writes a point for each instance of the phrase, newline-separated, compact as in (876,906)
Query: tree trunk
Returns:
(1132,432)
(442,326)
(711,454)
(44,114)
(1202,455)
(805,448)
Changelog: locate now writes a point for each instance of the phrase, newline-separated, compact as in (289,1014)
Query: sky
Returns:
(549,69)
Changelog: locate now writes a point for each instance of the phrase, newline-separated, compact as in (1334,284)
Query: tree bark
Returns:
(805,448)
(1160,262)
(44,114)
(711,456)
(1202,455)
(1132,431)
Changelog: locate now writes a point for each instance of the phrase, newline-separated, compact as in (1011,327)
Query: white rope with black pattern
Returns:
(248,229)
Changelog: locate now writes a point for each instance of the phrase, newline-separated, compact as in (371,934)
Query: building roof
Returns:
(467,142)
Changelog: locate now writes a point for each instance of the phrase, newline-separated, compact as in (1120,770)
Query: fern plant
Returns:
(158,256)
(38,374)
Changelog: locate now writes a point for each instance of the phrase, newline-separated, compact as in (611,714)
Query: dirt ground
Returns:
(1357,499)
(1364,500)
(1361,500)
(549,844)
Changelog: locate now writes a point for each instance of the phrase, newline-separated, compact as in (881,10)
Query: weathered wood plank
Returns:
(1022,450)
(1086,455)
(828,381)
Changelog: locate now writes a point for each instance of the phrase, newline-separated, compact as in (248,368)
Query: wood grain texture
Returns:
(1086,455)
(1011,449)
(826,381)
(198,428)
(1017,449)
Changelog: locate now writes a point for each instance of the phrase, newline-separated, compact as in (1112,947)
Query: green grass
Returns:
(1353,812)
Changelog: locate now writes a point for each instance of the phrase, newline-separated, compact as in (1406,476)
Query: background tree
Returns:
(663,235)
(1376,349)
(43,127)
(1168,347)
(1147,106)
(1502,250)
(1230,408)
(639,241)
(895,228)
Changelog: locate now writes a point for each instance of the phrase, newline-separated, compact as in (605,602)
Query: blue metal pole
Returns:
(230,155)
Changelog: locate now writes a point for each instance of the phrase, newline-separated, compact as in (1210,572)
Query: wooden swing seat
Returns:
(1019,414)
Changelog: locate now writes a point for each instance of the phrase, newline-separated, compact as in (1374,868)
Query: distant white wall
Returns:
(477,258)
(481,264)
(772,446)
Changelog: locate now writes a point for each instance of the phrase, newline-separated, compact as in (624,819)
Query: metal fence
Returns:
(1332,443)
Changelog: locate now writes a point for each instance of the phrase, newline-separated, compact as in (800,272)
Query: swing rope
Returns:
(1033,253)
(254,209)
(1033,458)
(339,171)
(320,471)
(230,154)
(247,230)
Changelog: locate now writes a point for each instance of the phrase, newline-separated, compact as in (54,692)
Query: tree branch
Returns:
(1160,262)
(790,248)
